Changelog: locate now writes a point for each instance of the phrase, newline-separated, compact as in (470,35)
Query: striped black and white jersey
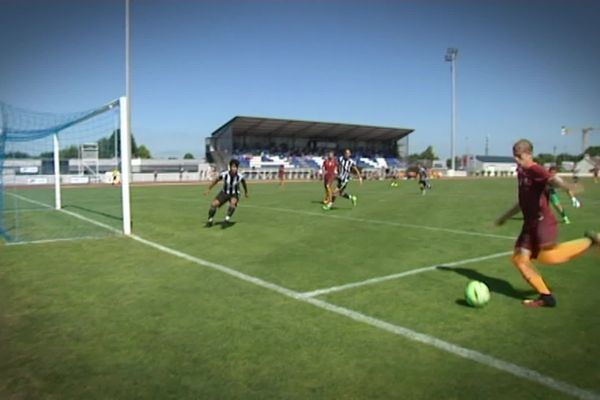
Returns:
(345,168)
(423,174)
(231,184)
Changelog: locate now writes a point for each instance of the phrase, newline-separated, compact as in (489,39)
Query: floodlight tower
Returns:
(451,55)
(585,136)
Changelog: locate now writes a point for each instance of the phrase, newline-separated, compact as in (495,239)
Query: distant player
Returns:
(396,176)
(554,199)
(538,237)
(346,166)
(230,192)
(329,168)
(595,172)
(281,175)
(116,177)
(424,184)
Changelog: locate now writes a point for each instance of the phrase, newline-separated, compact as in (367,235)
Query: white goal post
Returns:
(125,161)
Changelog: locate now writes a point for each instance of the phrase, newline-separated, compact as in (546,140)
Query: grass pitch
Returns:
(115,318)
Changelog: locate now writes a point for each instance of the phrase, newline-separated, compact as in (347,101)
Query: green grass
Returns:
(114,318)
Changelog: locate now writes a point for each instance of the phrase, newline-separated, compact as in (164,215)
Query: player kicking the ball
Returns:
(538,237)
(230,192)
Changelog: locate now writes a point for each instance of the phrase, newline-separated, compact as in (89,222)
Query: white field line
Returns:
(410,334)
(72,214)
(375,221)
(510,368)
(384,278)
(26,210)
(42,241)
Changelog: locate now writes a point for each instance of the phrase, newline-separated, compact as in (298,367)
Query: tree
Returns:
(64,154)
(188,156)
(593,151)
(428,154)
(106,146)
(413,158)
(544,158)
(457,162)
(16,154)
(566,157)
(143,152)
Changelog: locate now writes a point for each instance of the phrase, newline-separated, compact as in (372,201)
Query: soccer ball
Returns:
(477,294)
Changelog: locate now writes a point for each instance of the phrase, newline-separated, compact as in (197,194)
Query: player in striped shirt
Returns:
(230,192)
(423,179)
(346,166)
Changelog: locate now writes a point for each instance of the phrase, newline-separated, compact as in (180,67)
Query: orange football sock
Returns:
(529,274)
(564,252)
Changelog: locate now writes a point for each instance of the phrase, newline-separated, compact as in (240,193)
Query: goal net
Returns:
(56,174)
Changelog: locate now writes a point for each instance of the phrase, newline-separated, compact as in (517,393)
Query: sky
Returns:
(524,68)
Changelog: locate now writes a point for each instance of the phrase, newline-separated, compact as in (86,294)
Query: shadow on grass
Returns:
(227,225)
(89,210)
(333,208)
(495,285)
(222,224)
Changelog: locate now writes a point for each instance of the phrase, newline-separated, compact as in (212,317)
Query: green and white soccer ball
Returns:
(477,294)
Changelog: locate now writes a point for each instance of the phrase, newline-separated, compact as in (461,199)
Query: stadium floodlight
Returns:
(585,136)
(451,55)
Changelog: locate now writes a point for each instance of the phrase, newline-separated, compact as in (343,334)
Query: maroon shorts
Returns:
(538,234)
(328,179)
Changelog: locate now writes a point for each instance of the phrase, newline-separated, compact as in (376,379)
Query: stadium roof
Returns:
(265,127)
(497,159)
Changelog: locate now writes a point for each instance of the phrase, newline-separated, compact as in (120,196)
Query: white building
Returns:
(586,165)
(490,165)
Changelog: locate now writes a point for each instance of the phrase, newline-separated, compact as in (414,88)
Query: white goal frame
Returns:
(124,128)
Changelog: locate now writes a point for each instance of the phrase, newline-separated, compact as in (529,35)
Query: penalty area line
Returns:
(380,222)
(379,279)
(473,355)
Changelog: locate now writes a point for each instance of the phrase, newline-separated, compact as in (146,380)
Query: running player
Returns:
(346,166)
(329,168)
(230,192)
(553,196)
(396,176)
(538,237)
(423,179)
(281,175)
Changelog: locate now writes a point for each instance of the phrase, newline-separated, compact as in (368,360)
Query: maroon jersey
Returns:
(539,226)
(533,193)
(329,167)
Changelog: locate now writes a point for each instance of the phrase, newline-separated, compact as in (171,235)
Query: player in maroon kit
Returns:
(281,174)
(329,168)
(538,237)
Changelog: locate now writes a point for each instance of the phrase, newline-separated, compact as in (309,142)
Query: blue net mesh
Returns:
(88,143)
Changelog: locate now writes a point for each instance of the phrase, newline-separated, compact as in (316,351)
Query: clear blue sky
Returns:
(524,67)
